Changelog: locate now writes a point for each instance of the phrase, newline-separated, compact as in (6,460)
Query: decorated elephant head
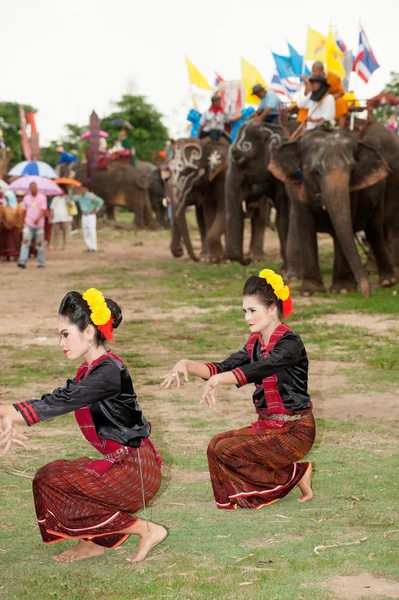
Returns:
(324,167)
(194,163)
(249,157)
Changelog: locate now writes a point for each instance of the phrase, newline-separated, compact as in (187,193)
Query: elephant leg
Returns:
(391,223)
(343,279)
(282,222)
(218,226)
(293,246)
(199,212)
(110,211)
(312,281)
(375,234)
(149,222)
(258,226)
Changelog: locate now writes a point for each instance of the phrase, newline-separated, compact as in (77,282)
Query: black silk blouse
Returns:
(288,360)
(108,392)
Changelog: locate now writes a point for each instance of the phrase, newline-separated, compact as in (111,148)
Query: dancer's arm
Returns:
(8,433)
(205,370)
(103,381)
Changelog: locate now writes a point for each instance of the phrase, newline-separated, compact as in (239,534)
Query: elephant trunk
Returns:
(181,223)
(234,219)
(336,195)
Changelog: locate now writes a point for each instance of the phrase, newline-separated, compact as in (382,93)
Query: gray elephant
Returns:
(122,185)
(248,179)
(199,166)
(337,184)
(157,193)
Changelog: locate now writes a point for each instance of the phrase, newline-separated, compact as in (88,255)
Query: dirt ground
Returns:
(29,297)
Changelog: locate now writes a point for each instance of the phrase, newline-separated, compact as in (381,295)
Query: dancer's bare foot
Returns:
(148,539)
(305,485)
(79,552)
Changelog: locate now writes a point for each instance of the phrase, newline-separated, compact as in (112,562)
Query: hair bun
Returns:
(116,312)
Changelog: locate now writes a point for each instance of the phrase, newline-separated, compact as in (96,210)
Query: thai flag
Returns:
(218,79)
(284,87)
(340,43)
(365,62)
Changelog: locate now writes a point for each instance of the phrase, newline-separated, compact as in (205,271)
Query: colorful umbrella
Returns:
(44,185)
(33,167)
(86,134)
(68,181)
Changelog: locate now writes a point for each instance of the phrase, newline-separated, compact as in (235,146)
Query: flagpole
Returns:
(352,119)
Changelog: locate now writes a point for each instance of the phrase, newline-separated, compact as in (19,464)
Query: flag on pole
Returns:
(195,77)
(297,62)
(250,75)
(315,46)
(26,149)
(365,62)
(284,87)
(283,65)
(334,57)
(218,79)
(340,42)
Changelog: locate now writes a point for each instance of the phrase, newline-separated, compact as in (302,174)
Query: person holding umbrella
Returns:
(35,207)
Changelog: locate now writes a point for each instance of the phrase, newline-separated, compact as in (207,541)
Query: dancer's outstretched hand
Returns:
(208,394)
(174,375)
(9,435)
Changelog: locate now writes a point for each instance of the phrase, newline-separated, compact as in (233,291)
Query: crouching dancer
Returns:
(93,501)
(257,465)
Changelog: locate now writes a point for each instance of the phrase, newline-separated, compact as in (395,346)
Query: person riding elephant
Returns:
(268,106)
(337,183)
(319,103)
(199,164)
(336,90)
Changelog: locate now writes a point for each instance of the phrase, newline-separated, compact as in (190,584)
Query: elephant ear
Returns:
(142,181)
(285,163)
(369,169)
(215,156)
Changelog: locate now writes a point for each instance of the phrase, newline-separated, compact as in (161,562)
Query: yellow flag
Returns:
(250,76)
(315,46)
(334,57)
(195,77)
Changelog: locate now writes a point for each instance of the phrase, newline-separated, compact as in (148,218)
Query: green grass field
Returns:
(193,310)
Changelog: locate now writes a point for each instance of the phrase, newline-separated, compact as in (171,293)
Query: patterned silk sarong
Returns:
(74,501)
(252,467)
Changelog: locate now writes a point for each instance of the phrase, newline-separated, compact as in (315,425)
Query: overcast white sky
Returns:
(67,57)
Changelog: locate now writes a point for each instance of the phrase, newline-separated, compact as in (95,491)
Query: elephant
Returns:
(249,179)
(122,185)
(199,165)
(386,143)
(337,184)
(157,193)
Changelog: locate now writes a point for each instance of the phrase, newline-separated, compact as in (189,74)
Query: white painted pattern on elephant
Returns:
(274,139)
(185,158)
(214,160)
(243,146)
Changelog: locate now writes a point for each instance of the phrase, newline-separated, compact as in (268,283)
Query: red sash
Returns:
(275,405)
(109,448)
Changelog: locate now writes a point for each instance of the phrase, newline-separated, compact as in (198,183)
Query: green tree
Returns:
(148,135)
(382,113)
(9,114)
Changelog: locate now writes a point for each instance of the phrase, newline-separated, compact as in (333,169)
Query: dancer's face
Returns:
(73,342)
(258,316)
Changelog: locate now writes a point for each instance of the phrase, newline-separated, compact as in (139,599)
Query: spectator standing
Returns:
(35,207)
(60,218)
(90,205)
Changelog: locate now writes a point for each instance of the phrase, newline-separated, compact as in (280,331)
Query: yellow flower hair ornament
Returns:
(100,313)
(281,291)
